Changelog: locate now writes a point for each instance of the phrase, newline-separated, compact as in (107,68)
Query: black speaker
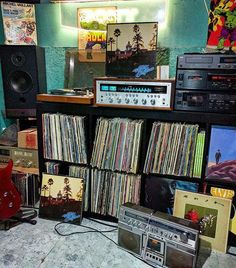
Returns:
(24,76)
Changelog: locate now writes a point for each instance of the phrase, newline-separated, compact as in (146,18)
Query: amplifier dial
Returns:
(126,101)
(119,100)
(184,237)
(152,102)
(110,100)
(135,101)
(17,163)
(144,101)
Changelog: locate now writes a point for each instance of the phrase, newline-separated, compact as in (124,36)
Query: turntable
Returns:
(75,95)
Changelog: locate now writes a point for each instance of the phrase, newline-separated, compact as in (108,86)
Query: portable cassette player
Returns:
(206,82)
(160,239)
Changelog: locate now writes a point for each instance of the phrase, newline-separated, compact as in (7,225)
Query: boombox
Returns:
(206,82)
(159,239)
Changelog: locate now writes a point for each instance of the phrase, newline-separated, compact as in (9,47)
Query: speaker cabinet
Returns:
(129,241)
(24,76)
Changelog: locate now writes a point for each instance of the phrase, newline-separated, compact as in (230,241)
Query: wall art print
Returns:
(210,212)
(221,164)
(61,198)
(132,50)
(222,25)
(92,25)
(19,23)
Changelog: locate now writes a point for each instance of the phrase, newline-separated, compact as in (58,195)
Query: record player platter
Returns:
(72,92)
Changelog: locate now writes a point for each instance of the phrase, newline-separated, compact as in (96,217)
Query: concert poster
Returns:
(222,25)
(19,23)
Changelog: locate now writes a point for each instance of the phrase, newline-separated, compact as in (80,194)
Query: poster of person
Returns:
(132,50)
(19,23)
(222,25)
(92,24)
(61,198)
(160,192)
(221,164)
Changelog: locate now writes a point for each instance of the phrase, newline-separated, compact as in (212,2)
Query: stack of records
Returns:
(117,144)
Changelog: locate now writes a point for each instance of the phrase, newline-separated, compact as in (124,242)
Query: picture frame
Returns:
(210,212)
(61,198)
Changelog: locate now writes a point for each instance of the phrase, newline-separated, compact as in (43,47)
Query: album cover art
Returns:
(221,164)
(61,198)
(92,23)
(131,50)
(160,192)
(222,25)
(19,23)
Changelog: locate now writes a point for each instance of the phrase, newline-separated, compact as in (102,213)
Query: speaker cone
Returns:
(20,81)
(18,59)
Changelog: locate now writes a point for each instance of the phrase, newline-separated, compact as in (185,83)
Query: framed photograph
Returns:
(210,212)
(221,25)
(132,50)
(61,198)
(160,192)
(92,25)
(221,164)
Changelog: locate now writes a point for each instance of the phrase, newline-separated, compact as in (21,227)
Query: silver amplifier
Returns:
(138,93)
(27,158)
(160,239)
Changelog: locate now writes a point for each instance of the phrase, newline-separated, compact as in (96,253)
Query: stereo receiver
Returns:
(160,239)
(130,93)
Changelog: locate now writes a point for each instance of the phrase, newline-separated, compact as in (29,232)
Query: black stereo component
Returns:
(160,239)
(206,82)
(24,76)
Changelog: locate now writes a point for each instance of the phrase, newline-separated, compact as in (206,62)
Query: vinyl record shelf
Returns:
(92,113)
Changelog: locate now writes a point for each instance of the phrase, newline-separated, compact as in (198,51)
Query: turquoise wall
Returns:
(185,30)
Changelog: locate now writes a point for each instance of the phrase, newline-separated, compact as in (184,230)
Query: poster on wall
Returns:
(132,50)
(19,23)
(222,25)
(92,23)
(221,164)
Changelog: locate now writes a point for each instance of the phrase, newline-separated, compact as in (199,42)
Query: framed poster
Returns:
(221,165)
(132,50)
(61,198)
(222,25)
(210,212)
(92,23)
(19,23)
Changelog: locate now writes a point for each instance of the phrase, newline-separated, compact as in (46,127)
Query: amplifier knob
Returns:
(135,101)
(17,163)
(29,164)
(119,100)
(152,102)
(144,101)
(110,100)
(184,237)
(126,101)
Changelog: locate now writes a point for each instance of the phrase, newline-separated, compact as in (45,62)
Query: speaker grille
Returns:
(129,241)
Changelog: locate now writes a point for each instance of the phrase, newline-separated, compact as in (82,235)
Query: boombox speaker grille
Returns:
(129,241)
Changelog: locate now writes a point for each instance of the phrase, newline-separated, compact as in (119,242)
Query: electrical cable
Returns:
(103,223)
(206,7)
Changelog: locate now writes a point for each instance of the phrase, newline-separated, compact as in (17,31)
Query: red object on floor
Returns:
(10,199)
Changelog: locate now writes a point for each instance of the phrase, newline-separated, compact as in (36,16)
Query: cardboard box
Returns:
(28,138)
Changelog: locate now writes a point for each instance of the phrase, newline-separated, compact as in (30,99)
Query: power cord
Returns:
(93,230)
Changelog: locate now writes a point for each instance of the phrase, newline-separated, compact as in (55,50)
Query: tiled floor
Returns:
(40,246)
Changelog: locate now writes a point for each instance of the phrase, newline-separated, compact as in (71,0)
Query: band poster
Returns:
(19,23)
(92,23)
(222,25)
